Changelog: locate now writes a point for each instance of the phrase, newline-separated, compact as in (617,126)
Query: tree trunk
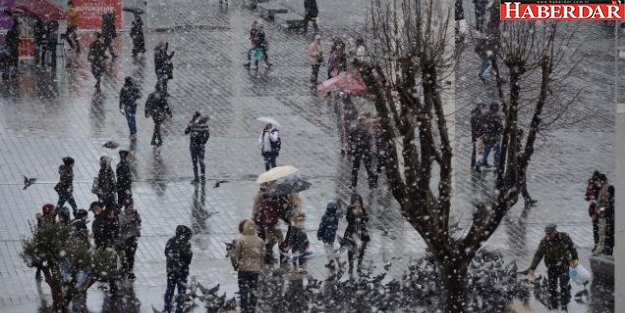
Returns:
(58,298)
(455,283)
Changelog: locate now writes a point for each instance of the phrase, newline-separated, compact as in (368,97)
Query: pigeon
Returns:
(218,184)
(28,182)
(110,144)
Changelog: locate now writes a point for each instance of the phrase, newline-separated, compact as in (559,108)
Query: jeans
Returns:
(485,68)
(128,261)
(496,151)
(554,275)
(172,282)
(248,281)
(69,199)
(197,156)
(315,73)
(270,160)
(132,122)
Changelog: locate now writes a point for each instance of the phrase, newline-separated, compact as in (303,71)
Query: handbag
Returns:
(95,187)
(58,188)
(579,274)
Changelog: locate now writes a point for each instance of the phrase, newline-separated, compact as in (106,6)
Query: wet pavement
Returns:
(45,116)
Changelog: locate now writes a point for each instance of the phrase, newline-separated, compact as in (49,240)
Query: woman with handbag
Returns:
(315,58)
(65,186)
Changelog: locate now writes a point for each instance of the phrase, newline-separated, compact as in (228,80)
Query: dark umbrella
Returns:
(134,10)
(290,185)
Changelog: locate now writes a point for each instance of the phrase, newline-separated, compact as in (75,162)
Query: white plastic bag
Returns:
(579,274)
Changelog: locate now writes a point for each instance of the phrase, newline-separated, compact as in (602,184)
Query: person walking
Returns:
(477,129)
(179,255)
(559,253)
(261,44)
(493,132)
(270,145)
(592,192)
(158,109)
(198,128)
(124,178)
(11,43)
(360,139)
(72,26)
(52,40)
(295,241)
(326,232)
(39,36)
(337,62)
(311,13)
(97,55)
(163,65)
(356,235)
(65,186)
(247,259)
(128,97)
(106,185)
(136,33)
(129,233)
(109,32)
(605,216)
(253,39)
(105,227)
(315,58)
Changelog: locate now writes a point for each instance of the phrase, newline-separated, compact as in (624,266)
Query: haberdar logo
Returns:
(562,10)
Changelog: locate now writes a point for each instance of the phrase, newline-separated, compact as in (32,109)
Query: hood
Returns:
(356,197)
(332,207)
(183,232)
(249,228)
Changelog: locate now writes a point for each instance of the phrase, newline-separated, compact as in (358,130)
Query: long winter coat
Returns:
(157,107)
(329,224)
(124,177)
(310,6)
(106,178)
(178,252)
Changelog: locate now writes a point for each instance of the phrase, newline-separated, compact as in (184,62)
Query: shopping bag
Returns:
(579,274)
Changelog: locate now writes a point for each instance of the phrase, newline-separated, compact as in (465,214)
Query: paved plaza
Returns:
(45,116)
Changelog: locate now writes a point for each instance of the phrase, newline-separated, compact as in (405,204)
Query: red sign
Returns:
(562,10)
(90,12)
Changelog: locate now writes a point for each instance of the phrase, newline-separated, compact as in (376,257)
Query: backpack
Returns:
(277,145)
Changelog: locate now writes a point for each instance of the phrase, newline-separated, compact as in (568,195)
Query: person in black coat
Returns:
(107,186)
(163,64)
(198,128)
(105,227)
(97,56)
(158,109)
(65,186)
(493,132)
(124,178)
(109,32)
(12,42)
(79,225)
(39,35)
(477,128)
(128,97)
(356,235)
(311,13)
(52,39)
(136,33)
(179,255)
(361,140)
(326,232)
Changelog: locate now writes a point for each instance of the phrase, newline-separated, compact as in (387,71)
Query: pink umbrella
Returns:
(349,82)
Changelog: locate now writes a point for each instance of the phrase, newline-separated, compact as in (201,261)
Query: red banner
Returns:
(90,12)
(561,11)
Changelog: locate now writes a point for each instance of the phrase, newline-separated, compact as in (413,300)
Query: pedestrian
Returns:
(97,224)
(198,128)
(315,58)
(179,256)
(360,57)
(65,186)
(163,64)
(11,43)
(97,55)
(270,145)
(311,13)
(46,217)
(79,225)
(136,33)
(360,139)
(247,260)
(252,39)
(105,227)
(356,235)
(477,129)
(592,192)
(52,40)
(559,252)
(73,14)
(480,13)
(124,178)
(485,49)
(269,214)
(327,232)
(129,233)
(39,36)
(63,216)
(295,241)
(336,62)
(128,97)
(158,109)
(109,32)
(493,132)
(106,184)
(262,45)
(605,213)
(529,202)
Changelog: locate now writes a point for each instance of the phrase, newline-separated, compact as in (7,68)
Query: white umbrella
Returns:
(268,120)
(276,173)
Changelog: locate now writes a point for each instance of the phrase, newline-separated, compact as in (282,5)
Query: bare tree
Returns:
(407,83)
